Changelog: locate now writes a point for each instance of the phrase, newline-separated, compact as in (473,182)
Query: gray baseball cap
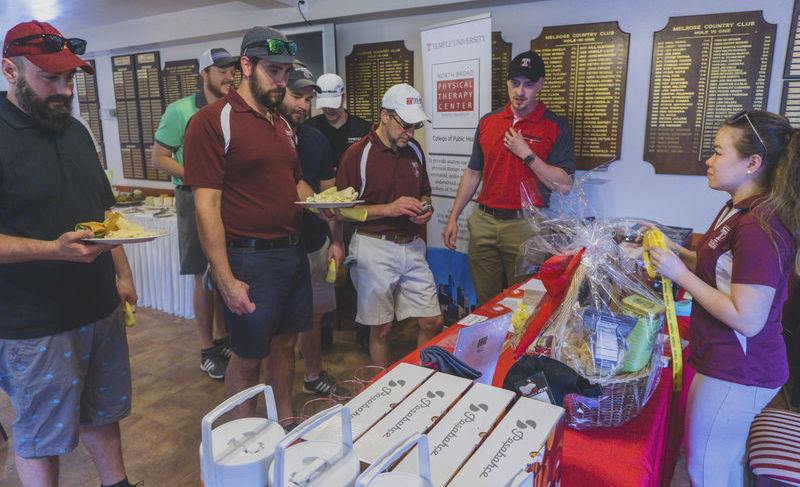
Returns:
(300,77)
(268,43)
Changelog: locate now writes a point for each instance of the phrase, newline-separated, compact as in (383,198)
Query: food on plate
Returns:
(134,197)
(115,226)
(331,195)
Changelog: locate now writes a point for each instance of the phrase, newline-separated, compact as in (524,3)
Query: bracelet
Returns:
(528,159)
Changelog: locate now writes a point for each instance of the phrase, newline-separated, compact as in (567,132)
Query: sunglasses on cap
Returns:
(406,126)
(52,42)
(275,46)
(743,114)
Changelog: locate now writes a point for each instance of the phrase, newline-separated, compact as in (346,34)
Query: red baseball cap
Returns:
(35,51)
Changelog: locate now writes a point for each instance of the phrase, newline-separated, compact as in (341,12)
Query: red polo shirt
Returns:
(737,250)
(389,175)
(549,137)
(253,162)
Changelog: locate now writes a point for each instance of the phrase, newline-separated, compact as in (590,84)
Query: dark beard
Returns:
(263,97)
(217,91)
(45,119)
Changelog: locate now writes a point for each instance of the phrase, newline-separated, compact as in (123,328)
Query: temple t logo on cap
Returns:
(525,62)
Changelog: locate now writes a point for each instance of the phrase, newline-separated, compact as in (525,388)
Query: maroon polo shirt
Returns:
(548,136)
(389,175)
(257,171)
(737,250)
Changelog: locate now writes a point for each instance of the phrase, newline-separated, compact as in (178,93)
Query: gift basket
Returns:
(601,316)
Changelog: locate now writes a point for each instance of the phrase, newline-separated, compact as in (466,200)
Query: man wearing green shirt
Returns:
(216,68)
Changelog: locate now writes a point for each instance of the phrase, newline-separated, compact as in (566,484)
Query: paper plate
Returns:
(340,204)
(121,241)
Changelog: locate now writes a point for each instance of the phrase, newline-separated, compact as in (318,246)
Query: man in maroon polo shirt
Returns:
(391,273)
(245,174)
(524,141)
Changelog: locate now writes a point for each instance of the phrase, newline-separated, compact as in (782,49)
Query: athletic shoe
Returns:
(212,362)
(322,385)
(224,346)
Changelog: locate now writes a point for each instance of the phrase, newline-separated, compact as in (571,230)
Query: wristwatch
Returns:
(528,159)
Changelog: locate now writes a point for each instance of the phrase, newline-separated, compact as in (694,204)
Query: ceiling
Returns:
(68,15)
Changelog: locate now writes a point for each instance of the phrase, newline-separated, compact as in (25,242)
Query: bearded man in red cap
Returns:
(63,351)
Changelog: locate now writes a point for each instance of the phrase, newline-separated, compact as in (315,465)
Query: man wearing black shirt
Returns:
(63,350)
(340,127)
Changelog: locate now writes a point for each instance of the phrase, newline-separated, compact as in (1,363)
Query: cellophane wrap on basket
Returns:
(605,317)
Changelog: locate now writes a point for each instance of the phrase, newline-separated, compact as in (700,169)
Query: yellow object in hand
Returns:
(331,277)
(127,316)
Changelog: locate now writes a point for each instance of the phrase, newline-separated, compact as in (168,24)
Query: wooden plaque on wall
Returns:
(181,79)
(371,69)
(89,103)
(586,69)
(791,67)
(501,57)
(704,69)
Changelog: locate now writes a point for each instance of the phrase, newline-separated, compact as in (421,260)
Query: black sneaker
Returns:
(223,345)
(212,362)
(322,385)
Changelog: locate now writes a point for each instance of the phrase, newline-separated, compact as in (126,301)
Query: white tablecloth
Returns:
(156,266)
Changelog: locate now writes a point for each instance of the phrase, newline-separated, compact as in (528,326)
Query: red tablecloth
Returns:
(640,453)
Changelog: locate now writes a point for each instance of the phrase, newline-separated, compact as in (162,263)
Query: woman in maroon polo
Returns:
(738,277)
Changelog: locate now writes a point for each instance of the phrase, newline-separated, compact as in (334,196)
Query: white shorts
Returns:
(391,280)
(323,293)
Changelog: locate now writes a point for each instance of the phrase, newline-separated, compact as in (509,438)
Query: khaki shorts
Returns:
(59,382)
(392,280)
(322,291)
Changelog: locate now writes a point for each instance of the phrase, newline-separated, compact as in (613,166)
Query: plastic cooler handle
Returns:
(306,426)
(391,455)
(522,479)
(224,407)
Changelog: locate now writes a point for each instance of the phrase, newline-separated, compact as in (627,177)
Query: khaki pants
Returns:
(493,248)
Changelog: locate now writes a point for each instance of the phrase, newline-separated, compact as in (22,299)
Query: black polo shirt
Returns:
(48,184)
(348,134)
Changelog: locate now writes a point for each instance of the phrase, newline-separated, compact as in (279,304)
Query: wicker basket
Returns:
(622,399)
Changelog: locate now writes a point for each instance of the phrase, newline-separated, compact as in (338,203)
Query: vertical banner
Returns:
(457,74)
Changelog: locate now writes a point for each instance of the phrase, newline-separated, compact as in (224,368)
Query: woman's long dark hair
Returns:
(778,144)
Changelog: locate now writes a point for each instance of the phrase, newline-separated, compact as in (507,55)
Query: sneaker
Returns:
(211,361)
(321,385)
(224,347)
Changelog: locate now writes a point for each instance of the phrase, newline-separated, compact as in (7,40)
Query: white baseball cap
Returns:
(406,101)
(332,87)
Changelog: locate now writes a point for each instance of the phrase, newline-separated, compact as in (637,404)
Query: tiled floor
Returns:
(171,395)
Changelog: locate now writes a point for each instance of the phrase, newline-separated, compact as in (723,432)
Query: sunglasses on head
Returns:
(743,114)
(276,46)
(406,126)
(52,42)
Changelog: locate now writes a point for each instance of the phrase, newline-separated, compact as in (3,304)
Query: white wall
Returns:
(632,188)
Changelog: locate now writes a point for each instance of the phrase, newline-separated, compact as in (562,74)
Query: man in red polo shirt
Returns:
(524,141)
(245,174)
(391,273)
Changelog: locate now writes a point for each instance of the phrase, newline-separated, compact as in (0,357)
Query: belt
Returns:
(264,243)
(501,213)
(183,187)
(400,238)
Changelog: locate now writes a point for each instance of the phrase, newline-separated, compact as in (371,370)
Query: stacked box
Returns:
(460,431)
(416,413)
(529,436)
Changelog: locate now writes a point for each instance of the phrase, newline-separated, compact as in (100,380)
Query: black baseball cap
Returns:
(300,77)
(527,64)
